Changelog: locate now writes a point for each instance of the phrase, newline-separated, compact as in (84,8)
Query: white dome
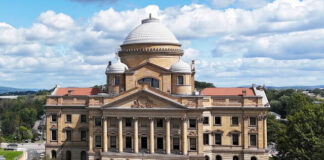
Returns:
(151,31)
(181,67)
(118,67)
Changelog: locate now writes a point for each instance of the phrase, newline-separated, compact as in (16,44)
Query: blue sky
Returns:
(234,42)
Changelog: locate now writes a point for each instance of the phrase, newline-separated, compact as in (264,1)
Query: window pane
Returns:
(252,121)
(153,82)
(68,135)
(235,139)
(218,121)
(113,142)
(192,143)
(54,135)
(234,120)
(116,80)
(192,123)
(98,141)
(144,142)
(83,135)
(206,120)
(54,117)
(159,122)
(252,140)
(83,118)
(176,143)
(206,138)
(180,80)
(128,142)
(98,121)
(218,139)
(128,122)
(159,143)
(68,118)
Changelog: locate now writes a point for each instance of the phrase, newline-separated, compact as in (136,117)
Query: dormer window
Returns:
(117,80)
(153,82)
(180,80)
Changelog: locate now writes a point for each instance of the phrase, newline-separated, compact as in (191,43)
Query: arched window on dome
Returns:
(152,81)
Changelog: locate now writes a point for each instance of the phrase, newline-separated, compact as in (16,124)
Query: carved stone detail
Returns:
(142,102)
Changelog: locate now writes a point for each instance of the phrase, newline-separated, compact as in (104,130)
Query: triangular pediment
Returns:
(149,65)
(144,99)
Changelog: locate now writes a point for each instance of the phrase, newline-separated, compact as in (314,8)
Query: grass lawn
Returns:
(10,155)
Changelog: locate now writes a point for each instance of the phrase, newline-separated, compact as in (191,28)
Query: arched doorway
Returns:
(152,81)
(254,158)
(218,157)
(68,155)
(53,154)
(235,158)
(206,157)
(83,155)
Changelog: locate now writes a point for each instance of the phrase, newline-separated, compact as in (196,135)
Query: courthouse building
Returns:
(151,110)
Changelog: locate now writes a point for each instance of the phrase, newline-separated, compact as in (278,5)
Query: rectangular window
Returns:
(176,143)
(235,138)
(193,144)
(192,123)
(98,141)
(83,135)
(206,139)
(144,142)
(54,117)
(252,121)
(116,80)
(253,139)
(180,80)
(54,135)
(218,139)
(234,121)
(68,118)
(159,122)
(83,118)
(68,135)
(206,120)
(218,121)
(128,122)
(98,121)
(113,143)
(159,142)
(129,142)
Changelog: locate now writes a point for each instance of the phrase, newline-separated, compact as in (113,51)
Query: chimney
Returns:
(193,66)
(70,92)
(109,63)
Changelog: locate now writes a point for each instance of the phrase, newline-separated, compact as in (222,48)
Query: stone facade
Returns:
(150,112)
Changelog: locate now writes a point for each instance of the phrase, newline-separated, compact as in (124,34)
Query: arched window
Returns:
(153,82)
(206,157)
(235,158)
(218,157)
(68,155)
(53,154)
(254,158)
(83,155)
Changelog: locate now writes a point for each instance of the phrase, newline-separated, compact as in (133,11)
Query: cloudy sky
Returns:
(234,42)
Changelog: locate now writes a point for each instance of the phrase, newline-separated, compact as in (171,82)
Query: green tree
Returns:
(274,127)
(304,137)
(202,85)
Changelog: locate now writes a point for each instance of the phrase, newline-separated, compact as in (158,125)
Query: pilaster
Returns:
(152,135)
(105,135)
(167,136)
(120,134)
(135,135)
(184,136)
(90,134)
(200,136)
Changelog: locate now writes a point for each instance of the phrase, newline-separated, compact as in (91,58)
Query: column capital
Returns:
(151,118)
(135,118)
(185,118)
(167,119)
(104,117)
(90,117)
(119,118)
(200,119)
(245,117)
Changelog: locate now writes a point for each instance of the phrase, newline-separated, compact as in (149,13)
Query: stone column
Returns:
(245,131)
(167,136)
(90,134)
(184,136)
(200,136)
(152,135)
(120,134)
(260,132)
(135,134)
(105,135)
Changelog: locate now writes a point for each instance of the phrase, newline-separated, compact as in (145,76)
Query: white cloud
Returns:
(56,21)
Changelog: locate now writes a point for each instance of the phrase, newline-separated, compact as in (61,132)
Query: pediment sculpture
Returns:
(142,102)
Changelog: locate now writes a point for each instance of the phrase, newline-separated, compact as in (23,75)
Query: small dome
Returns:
(181,67)
(117,67)
(151,31)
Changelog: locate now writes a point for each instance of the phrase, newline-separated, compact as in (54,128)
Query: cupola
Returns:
(117,67)
(180,67)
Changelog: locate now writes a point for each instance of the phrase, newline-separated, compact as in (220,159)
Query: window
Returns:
(129,142)
(54,117)
(175,124)
(253,140)
(252,121)
(192,123)
(128,122)
(113,143)
(218,121)
(98,141)
(234,121)
(235,138)
(193,144)
(68,118)
(53,154)
(83,155)
(113,122)
(206,139)
(116,80)
(254,158)
(206,158)
(159,122)
(83,135)
(206,120)
(54,135)
(68,155)
(218,157)
(218,138)
(83,118)
(98,121)
(144,142)
(68,135)
(176,143)
(159,142)
(235,158)
(153,82)
(180,80)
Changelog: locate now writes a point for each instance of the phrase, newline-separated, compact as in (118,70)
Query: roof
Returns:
(151,31)
(77,91)
(181,67)
(227,91)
